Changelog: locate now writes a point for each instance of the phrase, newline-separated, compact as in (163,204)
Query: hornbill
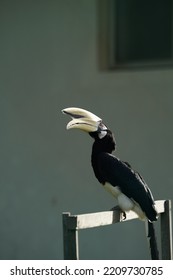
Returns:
(117,176)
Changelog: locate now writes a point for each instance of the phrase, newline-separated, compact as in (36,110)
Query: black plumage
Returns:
(108,168)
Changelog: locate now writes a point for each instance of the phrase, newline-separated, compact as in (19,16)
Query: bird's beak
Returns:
(82,119)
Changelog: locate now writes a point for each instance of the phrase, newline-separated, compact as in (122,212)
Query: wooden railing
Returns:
(73,223)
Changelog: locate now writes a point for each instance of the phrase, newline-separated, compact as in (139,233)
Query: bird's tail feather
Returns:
(151,236)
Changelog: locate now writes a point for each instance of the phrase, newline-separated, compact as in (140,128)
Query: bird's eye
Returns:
(102,127)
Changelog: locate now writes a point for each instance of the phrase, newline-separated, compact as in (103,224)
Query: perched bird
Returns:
(117,176)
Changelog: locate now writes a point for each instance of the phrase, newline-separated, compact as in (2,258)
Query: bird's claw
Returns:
(123,213)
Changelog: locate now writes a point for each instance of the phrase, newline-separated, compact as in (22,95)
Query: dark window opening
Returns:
(137,32)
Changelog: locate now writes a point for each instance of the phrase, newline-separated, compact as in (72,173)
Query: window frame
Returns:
(107,41)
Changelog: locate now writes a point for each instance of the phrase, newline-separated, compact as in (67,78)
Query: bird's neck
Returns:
(94,161)
(105,145)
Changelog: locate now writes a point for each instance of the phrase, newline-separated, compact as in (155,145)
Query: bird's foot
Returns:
(124,215)
(122,212)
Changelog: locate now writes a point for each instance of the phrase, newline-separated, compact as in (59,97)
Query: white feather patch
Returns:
(126,204)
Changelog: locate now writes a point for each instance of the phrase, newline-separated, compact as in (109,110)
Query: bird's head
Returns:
(86,121)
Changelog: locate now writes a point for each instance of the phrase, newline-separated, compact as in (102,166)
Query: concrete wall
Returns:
(48,62)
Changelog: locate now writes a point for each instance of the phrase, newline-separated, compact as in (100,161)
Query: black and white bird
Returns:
(117,176)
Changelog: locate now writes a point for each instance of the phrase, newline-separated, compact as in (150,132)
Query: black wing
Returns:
(130,182)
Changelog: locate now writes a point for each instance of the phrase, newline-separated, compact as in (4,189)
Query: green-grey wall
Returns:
(48,61)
